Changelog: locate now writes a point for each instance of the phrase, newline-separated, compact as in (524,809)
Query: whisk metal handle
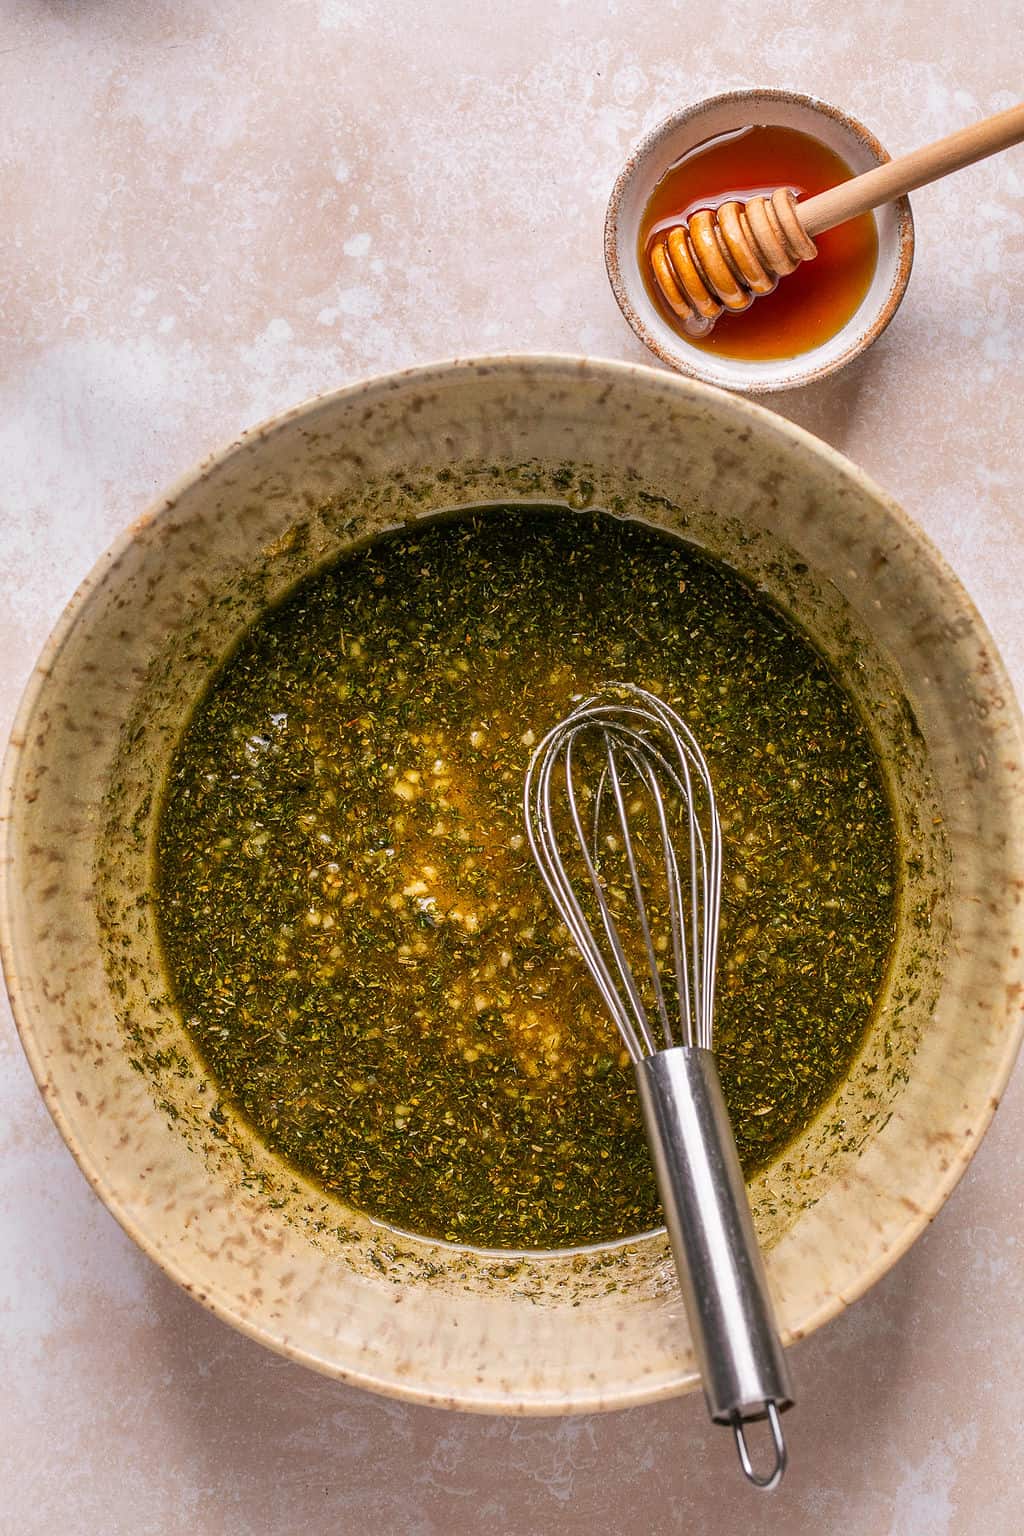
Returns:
(721,1272)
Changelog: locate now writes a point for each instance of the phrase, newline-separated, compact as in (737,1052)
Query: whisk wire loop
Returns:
(639,732)
(639,1024)
(540,832)
(637,884)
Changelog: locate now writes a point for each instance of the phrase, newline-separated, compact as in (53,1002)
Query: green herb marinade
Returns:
(358,940)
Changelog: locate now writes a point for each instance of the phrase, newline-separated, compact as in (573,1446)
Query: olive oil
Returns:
(358,939)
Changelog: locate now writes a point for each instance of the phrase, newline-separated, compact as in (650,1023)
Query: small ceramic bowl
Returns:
(682,132)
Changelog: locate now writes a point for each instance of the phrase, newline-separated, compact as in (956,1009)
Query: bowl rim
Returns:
(687,361)
(561,366)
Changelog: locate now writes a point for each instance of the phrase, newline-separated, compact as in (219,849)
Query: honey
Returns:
(809,305)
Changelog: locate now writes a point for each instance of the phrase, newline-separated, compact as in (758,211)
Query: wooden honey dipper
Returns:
(725,258)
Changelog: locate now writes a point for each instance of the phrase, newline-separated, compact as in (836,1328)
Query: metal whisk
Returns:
(623,764)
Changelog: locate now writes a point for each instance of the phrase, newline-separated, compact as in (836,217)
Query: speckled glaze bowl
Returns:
(527,1333)
(682,132)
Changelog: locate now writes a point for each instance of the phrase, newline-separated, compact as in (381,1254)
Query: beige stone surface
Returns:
(210,212)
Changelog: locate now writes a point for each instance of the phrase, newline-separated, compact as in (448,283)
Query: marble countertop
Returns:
(210,212)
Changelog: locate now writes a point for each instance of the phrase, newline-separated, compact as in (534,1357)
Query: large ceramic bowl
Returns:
(532,1333)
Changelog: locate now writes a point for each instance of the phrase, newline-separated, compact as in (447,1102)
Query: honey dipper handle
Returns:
(914,170)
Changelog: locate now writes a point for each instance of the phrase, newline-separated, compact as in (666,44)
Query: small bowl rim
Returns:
(679,361)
